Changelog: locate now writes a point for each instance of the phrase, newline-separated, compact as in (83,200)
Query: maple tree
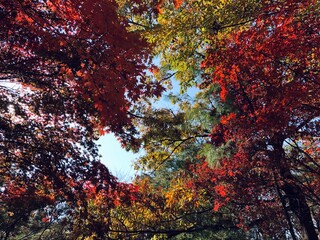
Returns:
(270,73)
(70,71)
(79,44)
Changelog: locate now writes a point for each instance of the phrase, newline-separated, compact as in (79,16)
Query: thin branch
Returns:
(182,141)
(138,24)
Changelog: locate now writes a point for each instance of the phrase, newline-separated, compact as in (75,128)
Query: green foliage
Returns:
(214,155)
(181,35)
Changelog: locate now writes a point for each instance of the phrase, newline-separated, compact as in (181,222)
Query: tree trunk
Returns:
(297,200)
(298,205)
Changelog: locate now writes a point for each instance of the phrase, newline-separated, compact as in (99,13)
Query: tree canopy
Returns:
(70,71)
(240,160)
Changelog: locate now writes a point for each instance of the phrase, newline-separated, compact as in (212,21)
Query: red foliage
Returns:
(177,3)
(270,72)
(84,44)
(80,71)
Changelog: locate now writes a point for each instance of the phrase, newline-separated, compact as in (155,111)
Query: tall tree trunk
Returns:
(283,202)
(298,205)
(297,200)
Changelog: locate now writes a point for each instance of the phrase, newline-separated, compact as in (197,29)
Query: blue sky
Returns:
(118,160)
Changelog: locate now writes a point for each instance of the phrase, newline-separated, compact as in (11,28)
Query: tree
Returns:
(70,71)
(76,44)
(270,73)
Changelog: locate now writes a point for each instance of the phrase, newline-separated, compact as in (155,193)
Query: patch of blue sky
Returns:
(117,159)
